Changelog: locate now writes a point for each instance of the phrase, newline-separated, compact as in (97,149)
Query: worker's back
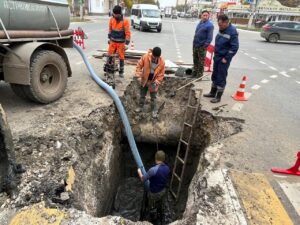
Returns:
(159,180)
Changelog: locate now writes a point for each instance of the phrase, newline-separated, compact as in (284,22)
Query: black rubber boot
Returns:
(141,106)
(217,98)
(121,71)
(154,109)
(212,93)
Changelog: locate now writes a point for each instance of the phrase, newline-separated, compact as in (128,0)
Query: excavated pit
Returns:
(95,148)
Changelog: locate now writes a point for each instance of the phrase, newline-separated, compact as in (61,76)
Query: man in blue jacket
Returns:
(226,46)
(203,37)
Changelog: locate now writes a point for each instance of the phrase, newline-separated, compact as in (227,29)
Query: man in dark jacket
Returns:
(203,37)
(158,176)
(226,46)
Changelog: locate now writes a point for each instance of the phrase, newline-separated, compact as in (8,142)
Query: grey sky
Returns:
(164,3)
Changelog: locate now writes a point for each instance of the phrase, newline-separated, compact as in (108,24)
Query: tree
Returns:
(128,3)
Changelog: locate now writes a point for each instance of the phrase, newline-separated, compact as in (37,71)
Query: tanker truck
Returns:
(33,35)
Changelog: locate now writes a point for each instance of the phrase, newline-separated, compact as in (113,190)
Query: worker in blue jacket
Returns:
(203,37)
(226,46)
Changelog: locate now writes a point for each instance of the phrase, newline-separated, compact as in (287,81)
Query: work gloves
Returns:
(127,42)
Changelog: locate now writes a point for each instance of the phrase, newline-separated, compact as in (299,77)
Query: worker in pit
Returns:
(151,71)
(158,176)
(119,36)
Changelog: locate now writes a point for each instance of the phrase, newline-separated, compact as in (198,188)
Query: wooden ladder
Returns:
(183,147)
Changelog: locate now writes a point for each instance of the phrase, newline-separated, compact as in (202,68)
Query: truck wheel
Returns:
(48,77)
(141,27)
(18,89)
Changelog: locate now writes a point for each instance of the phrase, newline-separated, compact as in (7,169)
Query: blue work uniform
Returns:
(226,46)
(158,176)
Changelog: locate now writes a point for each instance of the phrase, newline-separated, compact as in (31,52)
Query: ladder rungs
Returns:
(187,124)
(184,142)
(178,178)
(180,159)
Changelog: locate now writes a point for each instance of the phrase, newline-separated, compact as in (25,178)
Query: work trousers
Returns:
(143,94)
(120,49)
(220,71)
(199,54)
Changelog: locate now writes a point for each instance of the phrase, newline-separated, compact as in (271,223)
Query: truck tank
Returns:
(34,14)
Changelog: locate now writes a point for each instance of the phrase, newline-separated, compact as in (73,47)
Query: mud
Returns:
(92,145)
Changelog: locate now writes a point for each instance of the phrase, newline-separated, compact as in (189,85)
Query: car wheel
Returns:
(141,27)
(133,26)
(158,30)
(273,38)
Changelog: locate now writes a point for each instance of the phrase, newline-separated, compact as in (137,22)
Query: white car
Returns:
(146,17)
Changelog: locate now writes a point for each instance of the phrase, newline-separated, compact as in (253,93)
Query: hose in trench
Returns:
(121,110)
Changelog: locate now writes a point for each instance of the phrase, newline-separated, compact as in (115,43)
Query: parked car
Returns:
(281,30)
(174,16)
(181,14)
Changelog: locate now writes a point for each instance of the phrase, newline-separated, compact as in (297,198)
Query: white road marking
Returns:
(292,69)
(292,191)
(298,82)
(78,63)
(253,58)
(237,106)
(283,73)
(264,81)
(255,87)
(262,62)
(179,56)
(273,76)
(246,53)
(272,68)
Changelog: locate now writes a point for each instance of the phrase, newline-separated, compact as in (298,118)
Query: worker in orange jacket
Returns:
(151,71)
(119,35)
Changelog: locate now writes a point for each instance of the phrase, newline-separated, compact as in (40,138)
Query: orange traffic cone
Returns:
(240,94)
(132,45)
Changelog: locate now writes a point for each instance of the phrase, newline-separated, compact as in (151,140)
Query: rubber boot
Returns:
(218,97)
(141,106)
(154,109)
(212,93)
(121,70)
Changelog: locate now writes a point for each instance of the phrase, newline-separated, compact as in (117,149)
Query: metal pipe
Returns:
(33,34)
(122,113)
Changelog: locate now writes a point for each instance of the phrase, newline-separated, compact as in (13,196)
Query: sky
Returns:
(164,3)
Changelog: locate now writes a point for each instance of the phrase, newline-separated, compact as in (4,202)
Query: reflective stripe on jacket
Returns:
(119,31)
(227,43)
(143,69)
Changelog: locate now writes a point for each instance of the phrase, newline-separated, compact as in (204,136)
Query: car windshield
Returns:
(151,13)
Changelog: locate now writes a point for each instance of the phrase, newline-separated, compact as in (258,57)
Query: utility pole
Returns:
(253,9)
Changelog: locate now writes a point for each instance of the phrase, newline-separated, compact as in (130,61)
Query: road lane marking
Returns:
(237,106)
(292,191)
(255,87)
(248,95)
(283,73)
(246,53)
(262,62)
(272,68)
(292,69)
(253,58)
(260,202)
(264,81)
(273,76)
(298,82)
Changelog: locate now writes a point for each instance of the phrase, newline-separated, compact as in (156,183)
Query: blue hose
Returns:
(121,110)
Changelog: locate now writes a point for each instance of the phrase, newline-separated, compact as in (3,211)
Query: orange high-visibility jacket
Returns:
(143,69)
(119,31)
